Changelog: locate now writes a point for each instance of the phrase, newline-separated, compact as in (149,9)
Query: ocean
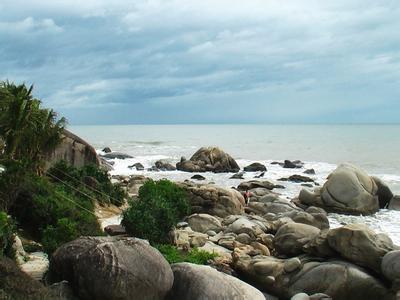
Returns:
(374,148)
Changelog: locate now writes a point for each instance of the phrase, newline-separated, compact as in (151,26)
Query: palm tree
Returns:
(28,131)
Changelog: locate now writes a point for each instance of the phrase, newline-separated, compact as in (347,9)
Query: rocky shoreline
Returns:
(270,248)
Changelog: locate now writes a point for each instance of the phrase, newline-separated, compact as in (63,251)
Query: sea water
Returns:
(375,148)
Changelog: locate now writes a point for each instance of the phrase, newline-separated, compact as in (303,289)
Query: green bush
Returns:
(54,236)
(160,205)
(195,256)
(99,187)
(52,214)
(6,234)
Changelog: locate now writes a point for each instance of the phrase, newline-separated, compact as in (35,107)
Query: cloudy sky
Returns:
(207,61)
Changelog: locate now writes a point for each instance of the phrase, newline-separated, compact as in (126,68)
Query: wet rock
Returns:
(203,282)
(198,177)
(118,155)
(296,164)
(204,222)
(209,159)
(309,172)
(163,165)
(300,178)
(138,166)
(112,268)
(291,237)
(361,245)
(348,190)
(255,167)
(153,169)
(214,200)
(107,150)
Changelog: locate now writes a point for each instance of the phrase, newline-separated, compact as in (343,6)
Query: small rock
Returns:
(107,150)
(296,164)
(255,167)
(260,176)
(300,296)
(198,177)
(211,233)
(309,172)
(115,230)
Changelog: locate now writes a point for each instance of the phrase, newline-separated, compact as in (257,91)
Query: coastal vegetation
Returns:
(160,205)
(194,255)
(52,206)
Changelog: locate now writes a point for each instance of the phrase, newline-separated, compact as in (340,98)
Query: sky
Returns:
(206,61)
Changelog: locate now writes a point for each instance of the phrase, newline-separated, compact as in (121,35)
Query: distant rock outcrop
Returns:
(73,150)
(211,159)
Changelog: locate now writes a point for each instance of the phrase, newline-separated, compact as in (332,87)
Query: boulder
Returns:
(210,159)
(255,167)
(203,282)
(214,200)
(112,268)
(299,178)
(163,165)
(245,225)
(390,266)
(118,155)
(74,151)
(204,222)
(348,190)
(361,245)
(291,237)
(394,204)
(313,216)
(338,279)
(296,164)
(269,204)
(252,184)
(106,150)
(198,177)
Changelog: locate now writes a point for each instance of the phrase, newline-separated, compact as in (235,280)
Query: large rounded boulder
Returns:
(287,277)
(348,190)
(112,268)
(291,237)
(211,159)
(214,200)
(361,245)
(202,282)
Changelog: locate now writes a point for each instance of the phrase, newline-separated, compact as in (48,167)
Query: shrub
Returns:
(51,213)
(160,205)
(54,236)
(195,255)
(99,188)
(6,234)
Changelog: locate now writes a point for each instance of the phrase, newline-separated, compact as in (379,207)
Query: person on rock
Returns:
(247,195)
